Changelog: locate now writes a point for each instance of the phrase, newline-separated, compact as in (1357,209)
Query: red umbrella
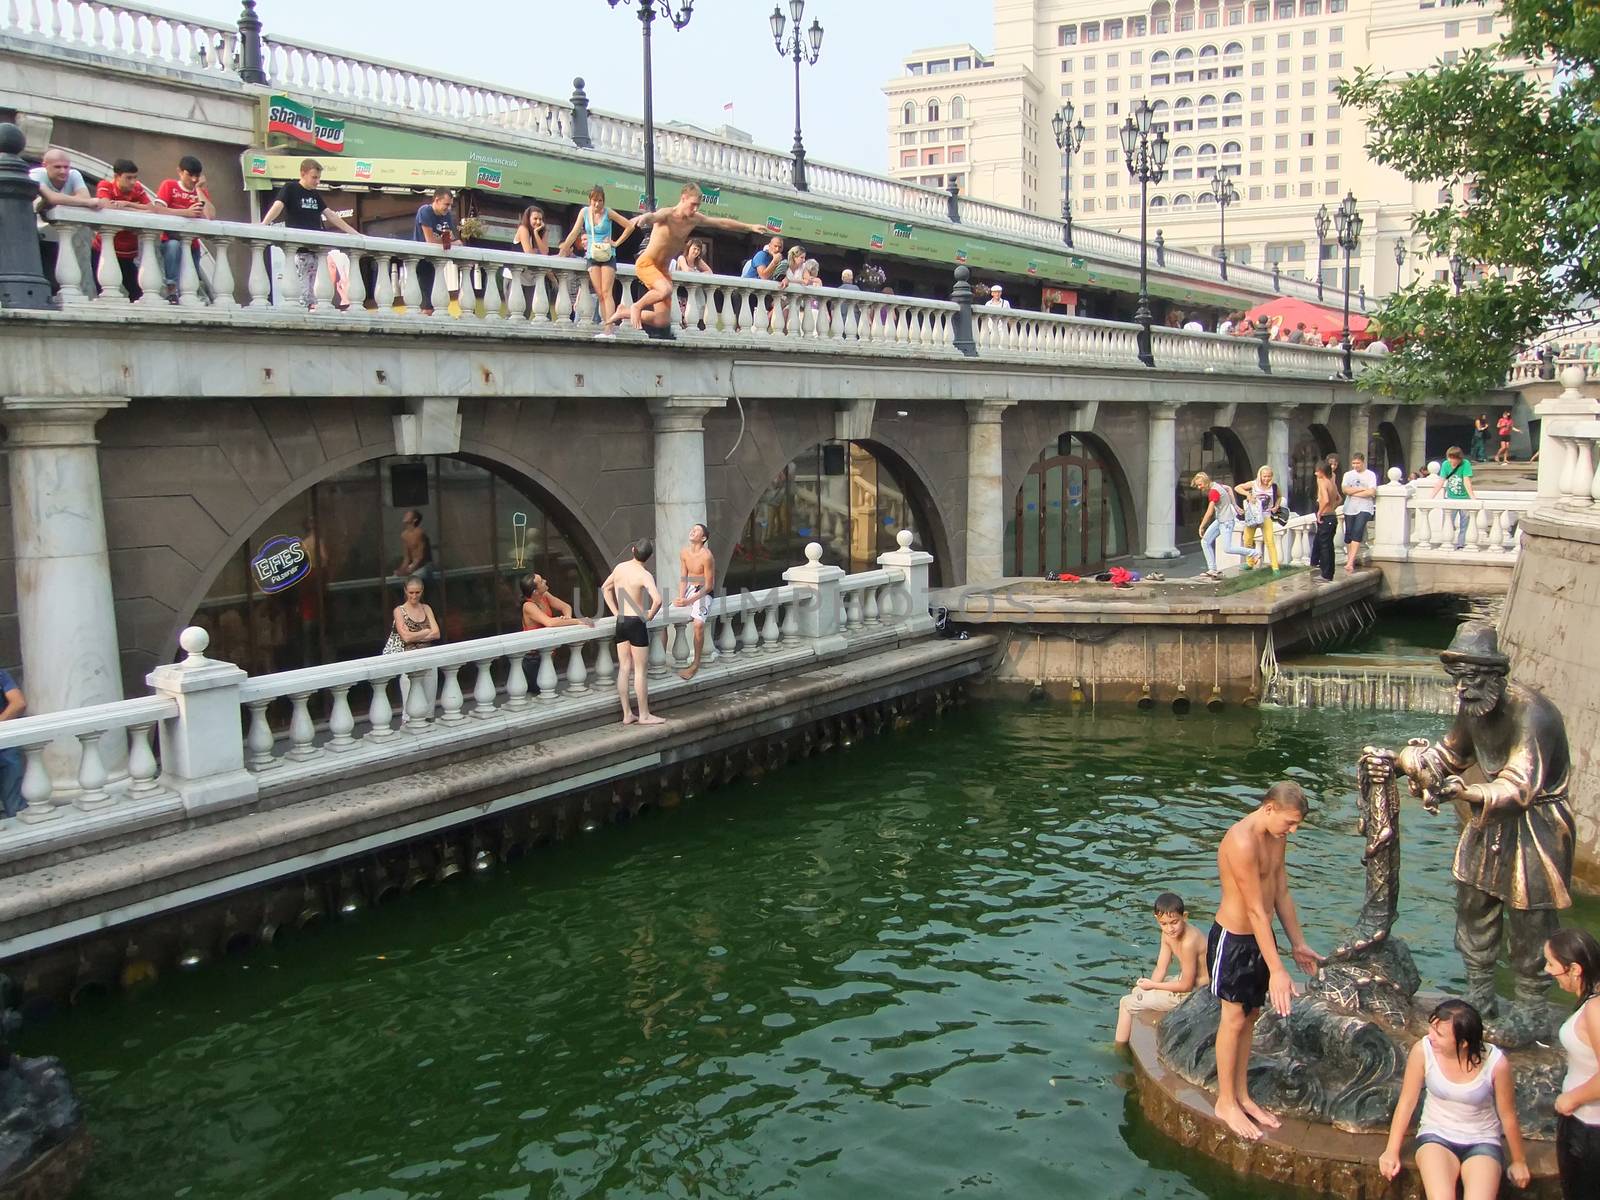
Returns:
(1328,322)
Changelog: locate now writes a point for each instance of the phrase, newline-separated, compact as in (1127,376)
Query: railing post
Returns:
(202,748)
(1161,248)
(1391,525)
(952,210)
(1555,450)
(914,588)
(818,607)
(250,68)
(1263,357)
(22,281)
(961,297)
(580,116)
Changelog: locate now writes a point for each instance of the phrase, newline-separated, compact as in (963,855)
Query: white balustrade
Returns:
(1569,463)
(98,731)
(127,31)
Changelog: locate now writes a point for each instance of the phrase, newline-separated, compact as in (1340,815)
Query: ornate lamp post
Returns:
(1224,193)
(797,50)
(1146,157)
(1324,223)
(647,17)
(1069,139)
(1399,262)
(1458,271)
(1347,229)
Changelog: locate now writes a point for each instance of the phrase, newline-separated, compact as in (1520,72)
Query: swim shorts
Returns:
(651,275)
(632,630)
(699,603)
(1238,972)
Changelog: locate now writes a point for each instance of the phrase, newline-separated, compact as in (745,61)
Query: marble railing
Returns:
(252,272)
(227,739)
(1569,462)
(130,32)
(1412,524)
(1532,370)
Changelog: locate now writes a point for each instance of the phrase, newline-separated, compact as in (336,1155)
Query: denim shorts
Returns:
(1355,526)
(1464,1150)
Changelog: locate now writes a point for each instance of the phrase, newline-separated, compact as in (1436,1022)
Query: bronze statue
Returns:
(1513,864)
(1379,800)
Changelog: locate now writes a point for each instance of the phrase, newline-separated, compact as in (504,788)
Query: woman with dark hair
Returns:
(1470,1103)
(1572,959)
(532,237)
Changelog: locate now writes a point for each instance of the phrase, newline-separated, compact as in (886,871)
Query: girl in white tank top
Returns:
(1572,959)
(1468,1104)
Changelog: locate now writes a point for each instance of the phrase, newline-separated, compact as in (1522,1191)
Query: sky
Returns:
(724,55)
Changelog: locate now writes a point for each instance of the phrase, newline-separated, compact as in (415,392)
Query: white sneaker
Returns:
(606,335)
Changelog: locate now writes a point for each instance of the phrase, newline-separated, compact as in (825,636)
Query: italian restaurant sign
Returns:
(302,123)
(281,563)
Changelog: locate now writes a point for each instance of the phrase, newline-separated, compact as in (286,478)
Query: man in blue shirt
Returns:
(765,261)
(435,224)
(11,801)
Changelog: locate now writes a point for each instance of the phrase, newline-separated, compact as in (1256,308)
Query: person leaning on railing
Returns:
(302,207)
(59,183)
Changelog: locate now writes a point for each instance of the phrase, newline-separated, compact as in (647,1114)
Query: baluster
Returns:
(410,290)
(1483,519)
(605,669)
(439,299)
(658,652)
(380,713)
(577,672)
(92,792)
(749,637)
(889,612)
(142,768)
(769,625)
(484,692)
(259,741)
(516,682)
(419,711)
(302,733)
(695,310)
(548,680)
(322,285)
(727,643)
(854,608)
(221,281)
(259,281)
(69,271)
(681,649)
(450,698)
(566,298)
(37,789)
(516,297)
(869,608)
(107,273)
(789,630)
(188,276)
(152,282)
(356,283)
(341,723)
(539,295)
(844,613)
(383,297)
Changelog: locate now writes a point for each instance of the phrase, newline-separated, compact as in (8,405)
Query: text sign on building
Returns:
(302,123)
(281,563)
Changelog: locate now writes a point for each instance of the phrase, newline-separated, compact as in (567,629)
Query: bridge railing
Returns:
(1569,462)
(242,272)
(126,31)
(1413,525)
(227,739)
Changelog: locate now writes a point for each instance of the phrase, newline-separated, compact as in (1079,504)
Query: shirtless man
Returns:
(631,594)
(697,575)
(1242,951)
(672,227)
(414,543)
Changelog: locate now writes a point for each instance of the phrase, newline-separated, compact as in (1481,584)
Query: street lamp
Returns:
(1324,223)
(1224,193)
(647,17)
(797,49)
(1458,271)
(1146,157)
(1069,139)
(1347,228)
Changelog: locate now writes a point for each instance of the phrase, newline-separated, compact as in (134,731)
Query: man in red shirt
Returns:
(123,190)
(186,196)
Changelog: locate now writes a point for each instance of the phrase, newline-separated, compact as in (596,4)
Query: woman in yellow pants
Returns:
(1263,492)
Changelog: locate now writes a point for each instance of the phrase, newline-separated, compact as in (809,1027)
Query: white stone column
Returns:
(986,502)
(1555,451)
(1417,441)
(1278,418)
(65,613)
(680,478)
(1360,432)
(1161,490)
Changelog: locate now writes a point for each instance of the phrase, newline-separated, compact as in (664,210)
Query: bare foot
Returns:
(652,719)
(1233,1117)
(629,719)
(1258,1114)
(688,672)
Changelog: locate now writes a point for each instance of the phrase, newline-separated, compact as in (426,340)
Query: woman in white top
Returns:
(1470,1103)
(1262,499)
(1572,959)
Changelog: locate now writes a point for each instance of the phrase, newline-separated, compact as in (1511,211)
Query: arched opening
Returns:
(317,581)
(1221,455)
(1387,450)
(1072,512)
(933,110)
(958,108)
(852,497)
(1310,450)
(908,114)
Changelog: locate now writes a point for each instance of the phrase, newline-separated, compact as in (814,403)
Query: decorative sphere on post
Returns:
(194,641)
(813,552)
(904,538)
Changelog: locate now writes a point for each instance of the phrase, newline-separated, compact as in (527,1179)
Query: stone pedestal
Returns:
(913,564)
(65,611)
(202,754)
(818,613)
(986,502)
(1278,418)
(680,479)
(1161,503)
(1360,433)
(1417,442)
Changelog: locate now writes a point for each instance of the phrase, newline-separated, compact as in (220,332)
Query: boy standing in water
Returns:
(1180,942)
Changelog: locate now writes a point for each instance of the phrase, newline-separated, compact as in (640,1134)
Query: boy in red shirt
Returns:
(186,196)
(123,190)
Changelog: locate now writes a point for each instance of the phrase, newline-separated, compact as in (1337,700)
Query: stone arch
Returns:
(1315,444)
(1388,449)
(575,524)
(1078,471)
(1221,454)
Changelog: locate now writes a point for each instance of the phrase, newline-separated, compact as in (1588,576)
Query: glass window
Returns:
(908,158)
(1336,35)
(1088,62)
(1067,35)
(1331,163)
(1335,61)
(908,114)
(1452,29)
(1069,514)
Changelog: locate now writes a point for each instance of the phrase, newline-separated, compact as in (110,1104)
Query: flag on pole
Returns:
(728,107)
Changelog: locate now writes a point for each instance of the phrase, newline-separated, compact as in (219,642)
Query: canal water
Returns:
(889,971)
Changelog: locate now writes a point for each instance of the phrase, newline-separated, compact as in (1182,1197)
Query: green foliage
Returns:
(1522,160)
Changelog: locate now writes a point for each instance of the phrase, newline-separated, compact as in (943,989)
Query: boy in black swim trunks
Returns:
(631,594)
(1243,952)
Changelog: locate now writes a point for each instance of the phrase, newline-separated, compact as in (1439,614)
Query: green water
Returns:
(889,971)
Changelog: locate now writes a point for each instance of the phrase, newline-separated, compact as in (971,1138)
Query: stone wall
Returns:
(1548,628)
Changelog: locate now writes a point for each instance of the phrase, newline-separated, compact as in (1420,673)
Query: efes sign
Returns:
(302,123)
(281,563)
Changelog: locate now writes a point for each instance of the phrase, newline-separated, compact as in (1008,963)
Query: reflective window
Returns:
(1069,513)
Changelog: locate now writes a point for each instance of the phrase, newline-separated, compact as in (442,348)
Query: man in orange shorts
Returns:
(672,228)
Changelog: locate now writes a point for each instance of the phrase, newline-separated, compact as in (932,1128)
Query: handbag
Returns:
(1281,515)
(601,252)
(394,645)
(1253,516)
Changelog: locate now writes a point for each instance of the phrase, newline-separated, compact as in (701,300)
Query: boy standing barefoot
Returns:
(1180,943)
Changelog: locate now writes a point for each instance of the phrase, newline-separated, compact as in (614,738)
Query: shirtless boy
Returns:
(1181,945)
(1243,952)
(697,574)
(672,228)
(631,594)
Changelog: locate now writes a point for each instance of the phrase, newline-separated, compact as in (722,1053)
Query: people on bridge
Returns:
(301,207)
(631,594)
(697,577)
(123,190)
(435,225)
(1455,480)
(1181,945)
(186,195)
(531,236)
(1360,488)
(543,610)
(603,229)
(60,183)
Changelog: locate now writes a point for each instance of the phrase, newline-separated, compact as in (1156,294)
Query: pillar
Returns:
(68,624)
(679,477)
(986,507)
(1417,441)
(1360,432)
(1278,418)
(1161,492)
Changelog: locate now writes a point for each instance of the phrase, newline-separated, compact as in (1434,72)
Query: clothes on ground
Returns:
(1455,478)
(302,207)
(125,243)
(1238,972)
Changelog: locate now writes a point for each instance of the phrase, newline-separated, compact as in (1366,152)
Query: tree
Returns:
(1521,158)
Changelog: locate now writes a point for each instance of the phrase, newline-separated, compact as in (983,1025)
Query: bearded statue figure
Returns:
(1513,864)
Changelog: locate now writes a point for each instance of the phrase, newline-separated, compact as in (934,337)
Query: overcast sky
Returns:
(724,55)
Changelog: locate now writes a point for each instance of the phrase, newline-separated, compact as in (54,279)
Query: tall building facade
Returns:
(1245,88)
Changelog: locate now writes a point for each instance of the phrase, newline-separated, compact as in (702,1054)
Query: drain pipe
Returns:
(1145,699)
(1214,704)
(1180,702)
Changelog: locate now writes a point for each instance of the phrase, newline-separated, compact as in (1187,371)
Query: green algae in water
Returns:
(888,971)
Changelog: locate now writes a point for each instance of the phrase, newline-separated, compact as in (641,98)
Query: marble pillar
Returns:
(1360,433)
(1278,418)
(680,479)
(1161,495)
(1417,441)
(986,501)
(65,613)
